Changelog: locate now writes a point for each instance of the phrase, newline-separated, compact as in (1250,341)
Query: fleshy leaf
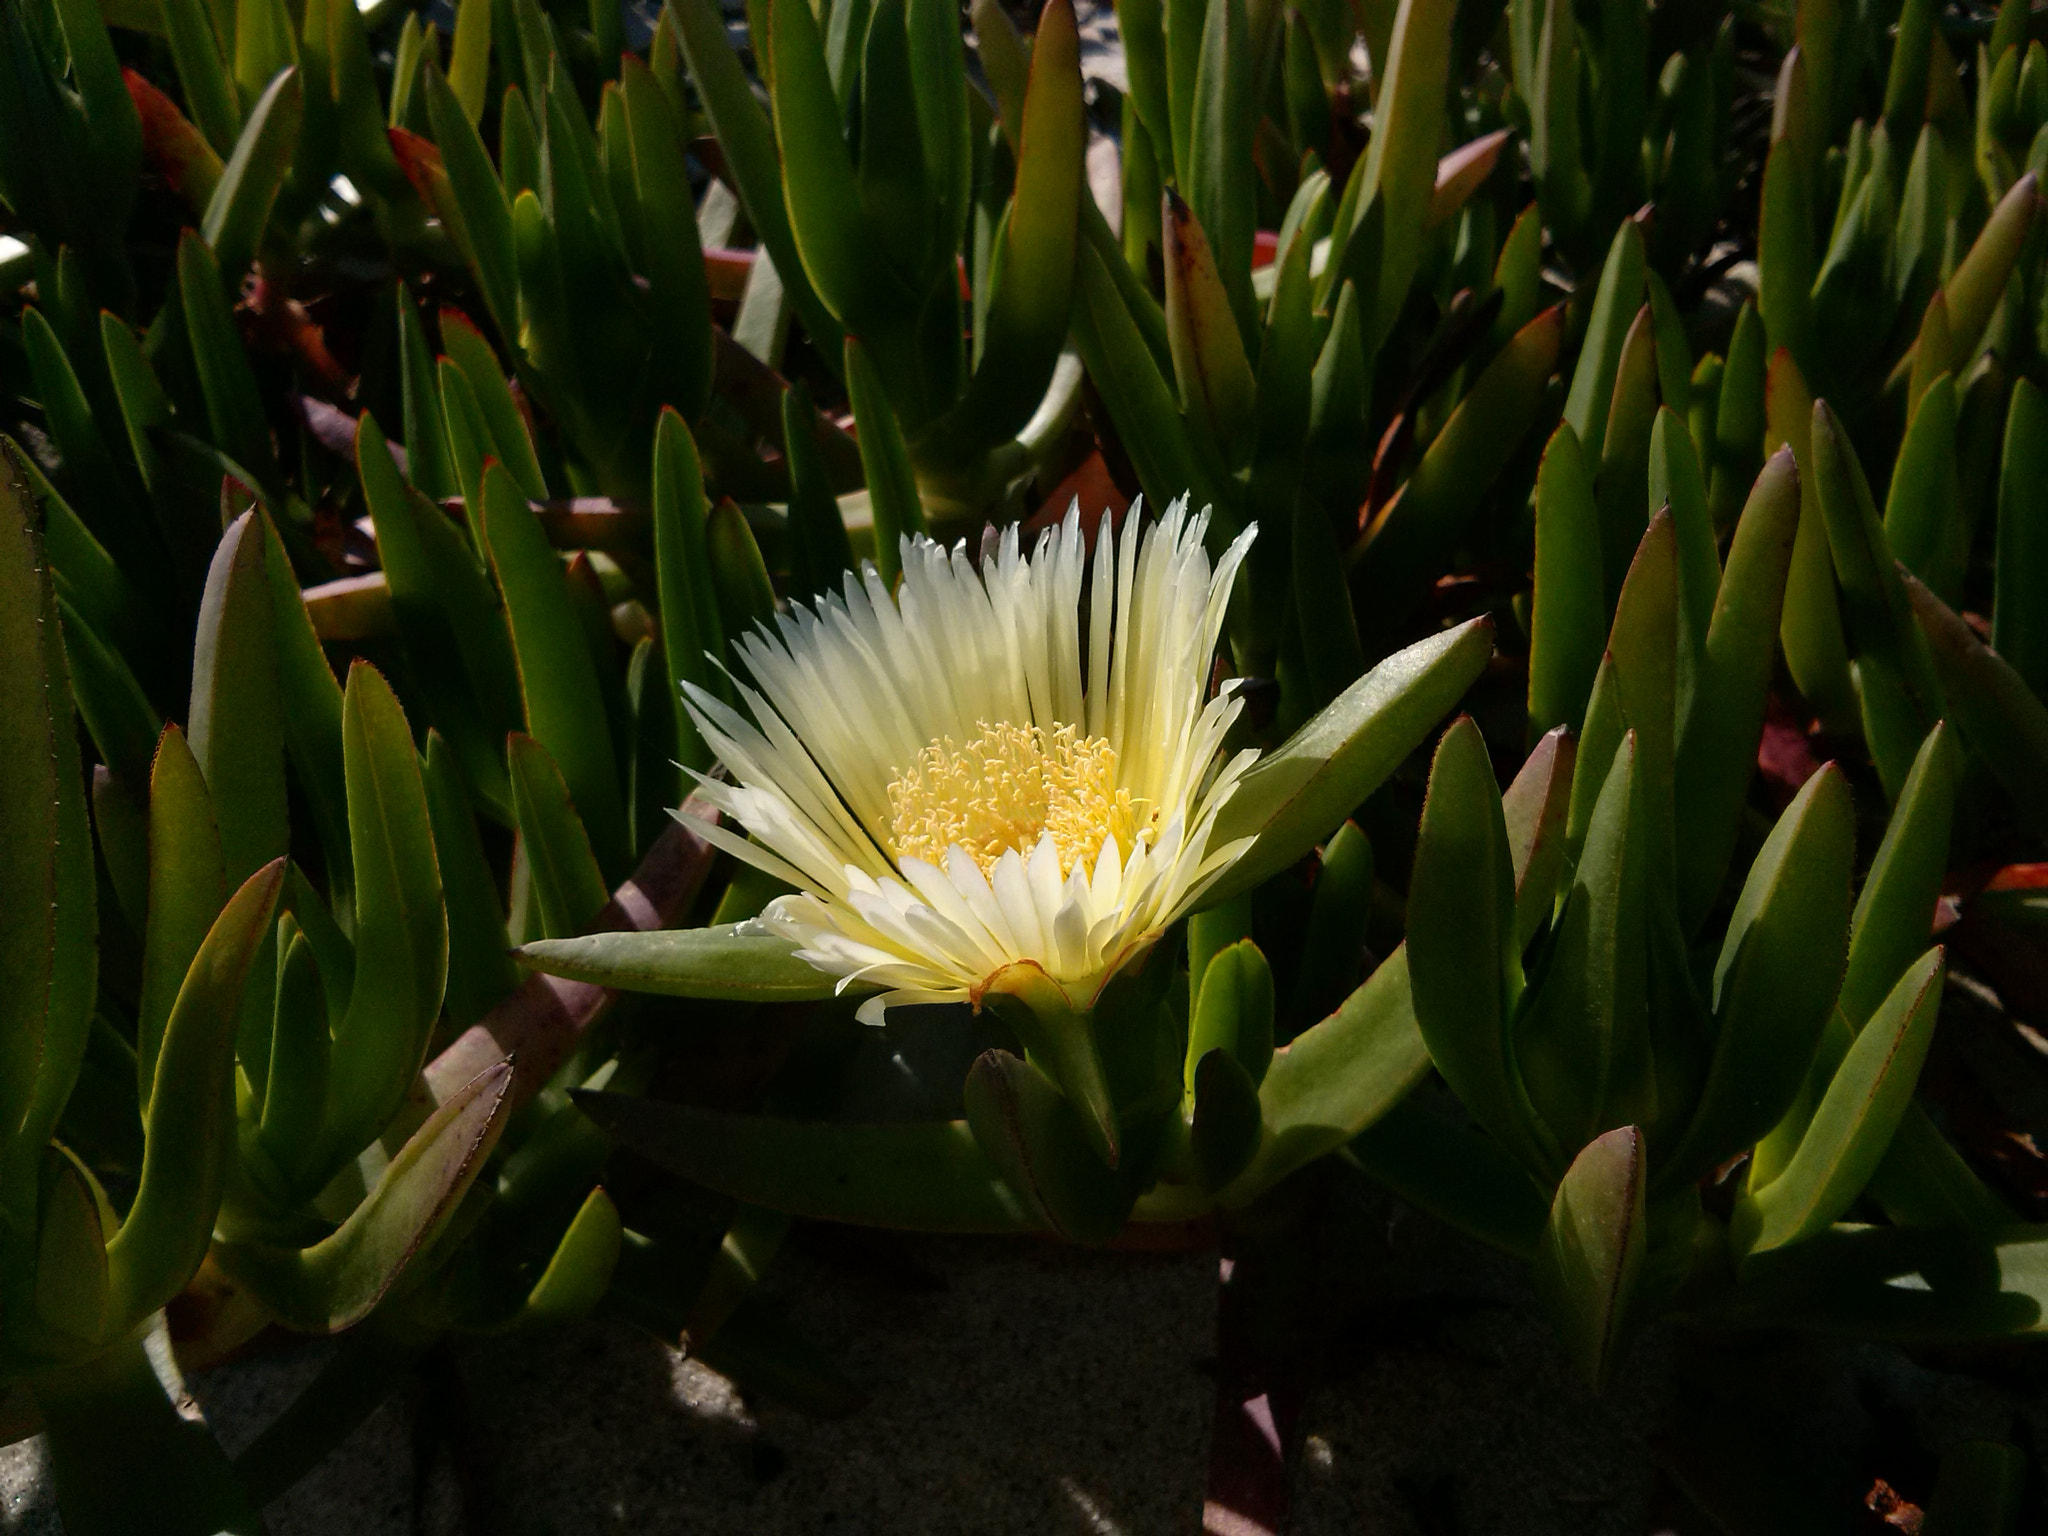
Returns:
(1853,1126)
(1295,795)
(732,962)
(1464,952)
(1777,977)
(191,1118)
(340,1279)
(1590,1262)
(1038,1139)
(1336,1078)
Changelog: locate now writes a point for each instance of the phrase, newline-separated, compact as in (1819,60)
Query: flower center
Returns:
(1005,788)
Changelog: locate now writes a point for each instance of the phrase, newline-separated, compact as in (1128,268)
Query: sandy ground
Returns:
(1014,1388)
(1025,1388)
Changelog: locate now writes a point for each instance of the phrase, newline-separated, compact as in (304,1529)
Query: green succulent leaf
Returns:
(1589,1265)
(70,1253)
(1895,910)
(579,1272)
(1340,395)
(1298,793)
(1032,276)
(1233,1012)
(892,484)
(1548,68)
(1634,691)
(505,435)
(1039,1141)
(1854,1122)
(1810,626)
(234,408)
(1902,695)
(1061,1038)
(1332,653)
(2003,719)
(480,971)
(1534,808)
(1722,719)
(1738,419)
(1978,283)
(401,927)
(187,888)
(1420,527)
(2019,621)
(87,577)
(428,465)
(1584,1029)
(1333,945)
(202,73)
(691,632)
(238,213)
(739,572)
(1922,510)
(752,1240)
(237,718)
(733,962)
(1399,169)
(1285,387)
(450,618)
(49,947)
(1464,957)
(1777,977)
(190,1121)
(568,887)
(362,148)
(1625,449)
(1335,1079)
(295,1095)
(90,466)
(1217,391)
(669,254)
(312,701)
(469,62)
(1224,1127)
(753,163)
(557,673)
(1568,621)
(475,208)
(820,551)
(1111,332)
(339,1280)
(840,245)
(1222,126)
(1614,309)
(1182,27)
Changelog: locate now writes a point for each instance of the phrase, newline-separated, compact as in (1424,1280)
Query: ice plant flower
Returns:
(954,784)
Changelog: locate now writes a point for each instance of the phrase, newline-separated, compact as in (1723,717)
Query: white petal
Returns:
(1013,894)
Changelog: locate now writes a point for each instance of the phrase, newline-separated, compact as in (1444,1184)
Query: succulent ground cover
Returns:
(608,653)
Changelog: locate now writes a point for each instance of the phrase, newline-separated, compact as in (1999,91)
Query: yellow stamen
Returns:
(1006,788)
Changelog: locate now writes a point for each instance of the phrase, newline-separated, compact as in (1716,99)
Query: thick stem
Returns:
(126,1459)
(1061,1041)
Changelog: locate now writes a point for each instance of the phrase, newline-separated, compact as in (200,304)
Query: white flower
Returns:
(954,787)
